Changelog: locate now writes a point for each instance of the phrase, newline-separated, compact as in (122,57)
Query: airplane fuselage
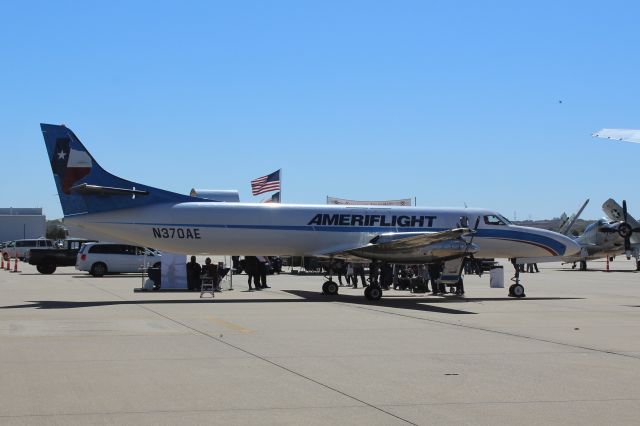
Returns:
(281,229)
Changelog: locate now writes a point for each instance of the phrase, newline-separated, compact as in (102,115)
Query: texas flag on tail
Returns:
(69,164)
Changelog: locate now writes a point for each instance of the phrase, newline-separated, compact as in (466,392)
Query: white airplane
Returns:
(626,135)
(96,200)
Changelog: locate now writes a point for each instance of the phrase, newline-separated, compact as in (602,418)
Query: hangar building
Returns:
(20,223)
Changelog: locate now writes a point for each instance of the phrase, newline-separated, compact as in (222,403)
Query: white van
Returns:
(103,258)
(20,248)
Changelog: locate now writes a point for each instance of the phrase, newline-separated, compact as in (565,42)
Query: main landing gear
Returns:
(372,292)
(330,288)
(516,289)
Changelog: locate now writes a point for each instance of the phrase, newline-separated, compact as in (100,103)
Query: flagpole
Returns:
(280,186)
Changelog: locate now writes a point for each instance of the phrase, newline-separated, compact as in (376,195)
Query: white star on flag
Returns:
(61,155)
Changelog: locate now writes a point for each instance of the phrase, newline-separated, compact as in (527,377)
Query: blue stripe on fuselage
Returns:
(507,234)
(547,242)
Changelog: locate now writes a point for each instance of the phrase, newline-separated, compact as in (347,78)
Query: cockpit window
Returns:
(505,220)
(493,219)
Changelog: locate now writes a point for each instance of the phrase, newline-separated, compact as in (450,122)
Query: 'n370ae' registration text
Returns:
(180,233)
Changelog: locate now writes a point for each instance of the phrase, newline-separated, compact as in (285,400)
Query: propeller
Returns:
(475,228)
(625,230)
(622,227)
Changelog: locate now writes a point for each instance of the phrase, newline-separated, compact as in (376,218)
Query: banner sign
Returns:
(341,201)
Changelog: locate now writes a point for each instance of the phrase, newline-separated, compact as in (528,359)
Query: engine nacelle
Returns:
(440,251)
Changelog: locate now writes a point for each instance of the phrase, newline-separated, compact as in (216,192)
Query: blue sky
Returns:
(449,102)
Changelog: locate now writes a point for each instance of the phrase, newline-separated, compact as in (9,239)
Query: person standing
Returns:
(349,273)
(341,270)
(373,273)
(250,267)
(263,267)
(424,272)
(386,275)
(193,274)
(358,270)
(434,272)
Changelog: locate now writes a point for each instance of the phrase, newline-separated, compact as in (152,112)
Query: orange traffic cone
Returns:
(2,267)
(8,264)
(15,265)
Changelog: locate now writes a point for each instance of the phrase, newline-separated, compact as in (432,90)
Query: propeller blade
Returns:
(624,209)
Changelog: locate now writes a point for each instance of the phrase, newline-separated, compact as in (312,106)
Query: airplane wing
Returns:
(566,226)
(402,241)
(408,240)
(628,135)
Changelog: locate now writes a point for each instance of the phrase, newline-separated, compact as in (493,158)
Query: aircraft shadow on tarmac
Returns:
(633,271)
(425,304)
(85,276)
(74,274)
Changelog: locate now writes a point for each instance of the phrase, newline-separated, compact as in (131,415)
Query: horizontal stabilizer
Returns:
(86,189)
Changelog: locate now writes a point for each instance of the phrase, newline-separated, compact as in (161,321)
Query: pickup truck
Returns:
(47,260)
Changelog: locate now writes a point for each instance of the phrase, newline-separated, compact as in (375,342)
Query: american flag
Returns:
(270,182)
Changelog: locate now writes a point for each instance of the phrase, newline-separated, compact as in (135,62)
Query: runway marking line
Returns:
(230,325)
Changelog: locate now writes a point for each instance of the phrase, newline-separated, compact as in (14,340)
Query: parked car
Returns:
(65,253)
(104,258)
(20,248)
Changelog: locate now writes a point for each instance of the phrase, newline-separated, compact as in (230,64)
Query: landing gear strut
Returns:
(330,287)
(516,289)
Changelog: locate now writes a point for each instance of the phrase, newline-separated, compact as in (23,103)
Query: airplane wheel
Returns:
(517,290)
(373,293)
(330,288)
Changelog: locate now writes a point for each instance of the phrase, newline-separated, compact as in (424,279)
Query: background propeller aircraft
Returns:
(608,237)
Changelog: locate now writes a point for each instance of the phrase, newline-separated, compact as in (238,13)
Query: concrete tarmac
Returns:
(78,350)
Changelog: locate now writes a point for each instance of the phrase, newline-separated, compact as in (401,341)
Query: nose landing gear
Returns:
(516,289)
